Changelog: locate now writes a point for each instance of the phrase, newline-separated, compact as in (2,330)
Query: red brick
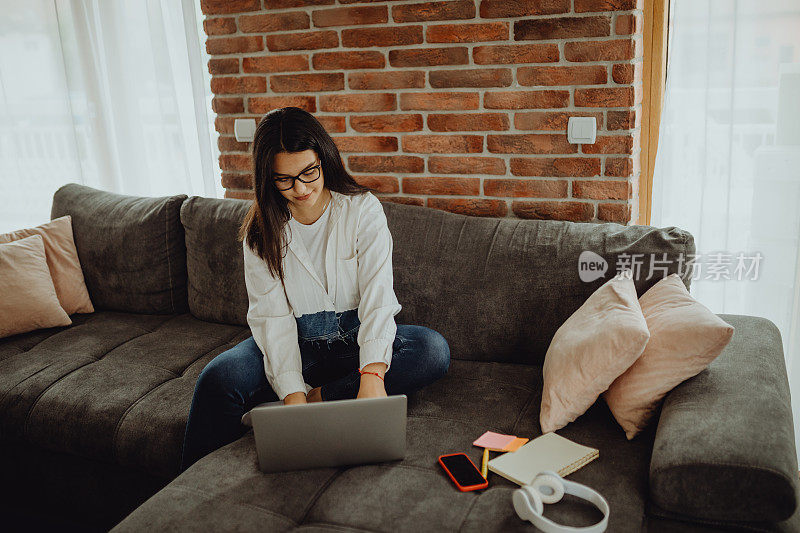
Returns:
(585,75)
(619,213)
(221,7)
(295,83)
(227,65)
(386,163)
(275,63)
(386,80)
(386,123)
(439,101)
(348,60)
(622,167)
(585,6)
(236,162)
(265,104)
(610,144)
(308,40)
(357,103)
(466,165)
(470,206)
(237,181)
(230,144)
(525,99)
(234,45)
(385,184)
(529,143)
(333,124)
(442,185)
(515,53)
(624,73)
(219,26)
(388,36)
(284,4)
(239,195)
(426,57)
(616,50)
(467,32)
(601,189)
(468,122)
(227,105)
(407,200)
(239,85)
(628,24)
(268,22)
(349,16)
(623,120)
(551,120)
(442,144)
(522,8)
(453,10)
(499,77)
(607,97)
(553,210)
(555,166)
(366,144)
(530,188)
(562,28)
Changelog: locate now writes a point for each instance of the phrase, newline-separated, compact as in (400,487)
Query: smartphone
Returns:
(463,472)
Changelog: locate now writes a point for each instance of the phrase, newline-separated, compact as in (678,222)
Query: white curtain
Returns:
(110,94)
(728,163)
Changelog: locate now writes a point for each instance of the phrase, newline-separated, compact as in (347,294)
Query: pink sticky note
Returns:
(491,439)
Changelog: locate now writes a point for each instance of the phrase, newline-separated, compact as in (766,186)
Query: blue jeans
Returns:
(234,381)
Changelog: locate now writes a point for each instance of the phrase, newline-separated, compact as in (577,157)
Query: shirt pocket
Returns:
(347,281)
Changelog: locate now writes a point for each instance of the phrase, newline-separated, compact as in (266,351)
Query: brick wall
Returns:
(459,105)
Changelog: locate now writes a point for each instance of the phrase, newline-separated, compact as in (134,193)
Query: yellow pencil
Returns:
(484,463)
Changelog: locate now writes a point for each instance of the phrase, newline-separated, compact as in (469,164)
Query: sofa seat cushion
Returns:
(114,387)
(225,491)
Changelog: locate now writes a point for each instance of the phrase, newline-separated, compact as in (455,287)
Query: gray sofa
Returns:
(92,415)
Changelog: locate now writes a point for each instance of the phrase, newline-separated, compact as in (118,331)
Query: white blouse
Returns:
(315,237)
(358,268)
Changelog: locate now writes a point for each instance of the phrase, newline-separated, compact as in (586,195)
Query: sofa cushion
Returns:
(225,491)
(214,259)
(114,387)
(131,248)
(725,447)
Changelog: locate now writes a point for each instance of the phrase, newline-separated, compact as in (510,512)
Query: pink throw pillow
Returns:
(62,260)
(685,336)
(590,350)
(29,297)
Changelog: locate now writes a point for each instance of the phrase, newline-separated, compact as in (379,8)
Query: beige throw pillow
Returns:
(29,297)
(590,350)
(685,336)
(62,260)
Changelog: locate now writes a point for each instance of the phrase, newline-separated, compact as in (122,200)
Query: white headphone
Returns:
(530,499)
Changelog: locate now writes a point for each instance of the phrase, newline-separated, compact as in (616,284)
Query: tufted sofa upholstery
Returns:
(92,415)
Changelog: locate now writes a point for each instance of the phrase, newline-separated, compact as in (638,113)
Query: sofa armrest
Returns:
(724,447)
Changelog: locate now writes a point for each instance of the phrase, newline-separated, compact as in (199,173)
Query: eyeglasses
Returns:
(286,183)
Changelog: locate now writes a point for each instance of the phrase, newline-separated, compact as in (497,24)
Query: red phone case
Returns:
(463,488)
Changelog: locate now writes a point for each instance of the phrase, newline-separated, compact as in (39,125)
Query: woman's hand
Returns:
(295,398)
(372,386)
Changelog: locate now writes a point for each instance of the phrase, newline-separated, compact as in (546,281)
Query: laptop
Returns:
(329,433)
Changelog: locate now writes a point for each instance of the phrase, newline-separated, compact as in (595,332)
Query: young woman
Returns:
(322,308)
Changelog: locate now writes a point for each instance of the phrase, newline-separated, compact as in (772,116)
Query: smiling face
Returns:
(303,196)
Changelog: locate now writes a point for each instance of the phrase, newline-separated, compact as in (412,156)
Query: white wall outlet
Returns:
(244,129)
(582,130)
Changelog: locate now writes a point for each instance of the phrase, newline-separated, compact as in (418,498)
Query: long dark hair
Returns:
(287,129)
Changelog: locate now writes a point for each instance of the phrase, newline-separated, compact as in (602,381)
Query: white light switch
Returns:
(244,129)
(582,130)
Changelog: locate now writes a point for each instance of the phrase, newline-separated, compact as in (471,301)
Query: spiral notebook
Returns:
(547,452)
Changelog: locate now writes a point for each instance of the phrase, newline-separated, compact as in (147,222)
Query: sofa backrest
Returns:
(496,288)
(131,248)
